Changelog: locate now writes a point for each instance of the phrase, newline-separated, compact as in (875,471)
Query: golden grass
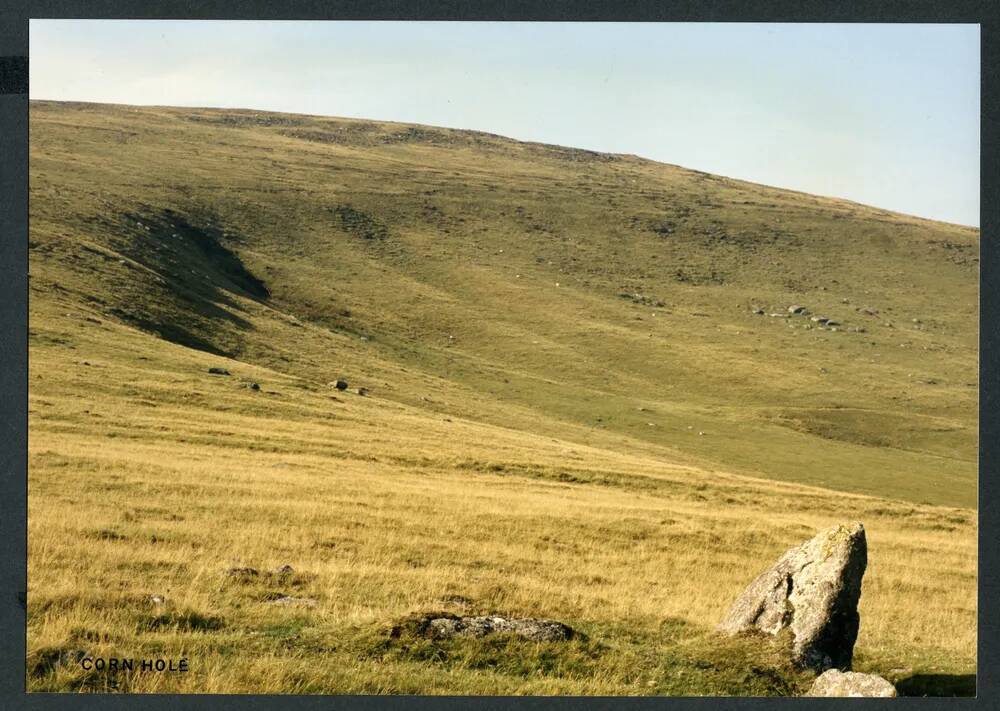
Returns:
(574,412)
(383,511)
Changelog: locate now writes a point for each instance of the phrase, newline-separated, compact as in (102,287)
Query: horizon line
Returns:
(848,201)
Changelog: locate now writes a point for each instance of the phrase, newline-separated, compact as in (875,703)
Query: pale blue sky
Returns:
(882,114)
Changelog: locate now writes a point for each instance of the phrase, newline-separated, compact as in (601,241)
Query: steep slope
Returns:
(501,280)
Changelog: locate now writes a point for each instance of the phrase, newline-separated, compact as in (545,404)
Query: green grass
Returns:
(573,411)
(445,249)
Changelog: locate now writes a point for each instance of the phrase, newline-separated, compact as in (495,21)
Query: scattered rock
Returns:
(831,323)
(759,311)
(797,309)
(362,391)
(813,590)
(777,315)
(218,371)
(157,599)
(340,384)
(284,570)
(443,625)
(253,386)
(819,319)
(838,683)
(868,310)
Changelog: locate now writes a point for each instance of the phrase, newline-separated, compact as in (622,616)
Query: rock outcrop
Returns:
(838,683)
(446,626)
(813,591)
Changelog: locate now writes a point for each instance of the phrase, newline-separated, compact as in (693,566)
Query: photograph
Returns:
(503,358)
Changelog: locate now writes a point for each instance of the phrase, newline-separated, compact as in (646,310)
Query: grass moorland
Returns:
(573,410)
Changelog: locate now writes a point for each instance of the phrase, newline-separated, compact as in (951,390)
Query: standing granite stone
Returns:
(838,683)
(813,591)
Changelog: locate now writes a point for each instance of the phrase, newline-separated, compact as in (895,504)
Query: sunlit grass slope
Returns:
(573,410)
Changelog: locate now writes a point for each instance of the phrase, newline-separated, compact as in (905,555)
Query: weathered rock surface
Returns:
(837,683)
(813,591)
(446,626)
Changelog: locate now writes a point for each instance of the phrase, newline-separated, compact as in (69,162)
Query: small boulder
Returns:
(362,391)
(340,384)
(445,625)
(813,591)
(218,371)
(837,683)
(253,386)
(797,309)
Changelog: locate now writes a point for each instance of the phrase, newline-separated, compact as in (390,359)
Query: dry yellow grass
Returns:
(546,334)
(153,478)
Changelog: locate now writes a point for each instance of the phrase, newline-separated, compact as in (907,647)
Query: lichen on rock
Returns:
(813,591)
(837,683)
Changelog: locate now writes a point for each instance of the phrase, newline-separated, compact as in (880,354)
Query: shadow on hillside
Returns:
(937,685)
(198,276)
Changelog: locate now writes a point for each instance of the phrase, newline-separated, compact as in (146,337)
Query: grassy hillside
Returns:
(574,410)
